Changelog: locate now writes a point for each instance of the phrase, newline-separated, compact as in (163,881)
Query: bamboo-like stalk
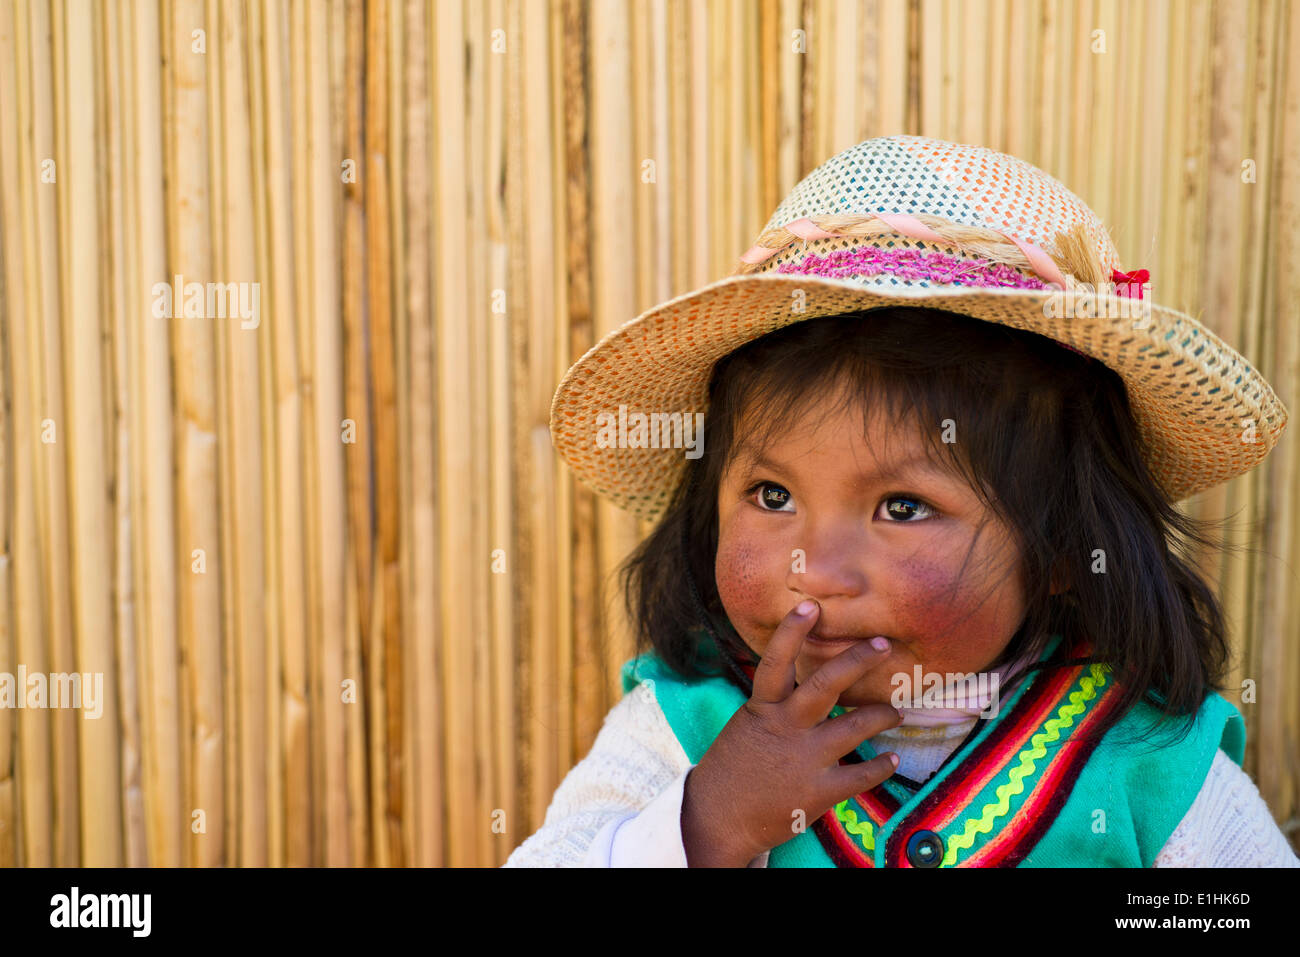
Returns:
(934,68)
(355,719)
(641,202)
(388,808)
(1060,154)
(497,721)
(395,801)
(477,836)
(1047,70)
(1077,164)
(1275,289)
(329,410)
(721,72)
(353,852)
(304,243)
(646,276)
(1152,90)
(1197,219)
(997,105)
(1275,624)
(788,120)
(765,103)
(386,643)
(748,122)
(10,831)
(227,507)
(89,503)
(572,335)
(890,54)
(47,105)
(1175,132)
(422,690)
(1244,571)
(971,102)
(1126,206)
(197,493)
(357,454)
(261,165)
(30,801)
(247,443)
(1196,80)
(153,458)
(457,543)
(950,28)
(297,509)
(494,416)
(613,304)
(112,24)
(700,168)
(841,37)
(537,650)
(8,793)
(1018,107)
(1102,116)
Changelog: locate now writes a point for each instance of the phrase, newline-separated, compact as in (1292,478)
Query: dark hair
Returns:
(1047,442)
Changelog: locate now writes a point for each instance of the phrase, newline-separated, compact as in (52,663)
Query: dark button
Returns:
(925,849)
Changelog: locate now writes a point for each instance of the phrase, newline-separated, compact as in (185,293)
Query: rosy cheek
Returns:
(951,618)
(740,581)
(934,605)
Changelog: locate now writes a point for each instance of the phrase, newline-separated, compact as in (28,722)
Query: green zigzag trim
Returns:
(849,818)
(1028,759)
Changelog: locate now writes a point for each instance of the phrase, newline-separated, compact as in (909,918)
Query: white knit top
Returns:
(621,805)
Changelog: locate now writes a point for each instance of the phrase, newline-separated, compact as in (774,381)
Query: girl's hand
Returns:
(778,754)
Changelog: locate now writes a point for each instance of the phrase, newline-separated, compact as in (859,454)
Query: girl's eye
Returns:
(771,494)
(901,509)
(904,508)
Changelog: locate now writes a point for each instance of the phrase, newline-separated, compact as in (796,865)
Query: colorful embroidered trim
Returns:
(1011,787)
(862,261)
(942,268)
(804,228)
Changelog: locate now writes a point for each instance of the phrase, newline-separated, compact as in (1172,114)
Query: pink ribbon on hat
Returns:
(907,225)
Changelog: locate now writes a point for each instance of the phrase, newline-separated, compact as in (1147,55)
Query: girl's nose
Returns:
(829,564)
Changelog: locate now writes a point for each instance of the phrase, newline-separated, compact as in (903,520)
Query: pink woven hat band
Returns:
(907,220)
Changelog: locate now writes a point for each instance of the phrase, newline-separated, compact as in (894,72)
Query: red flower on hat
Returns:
(1129,283)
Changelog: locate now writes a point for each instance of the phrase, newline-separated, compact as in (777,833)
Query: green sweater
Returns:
(1024,790)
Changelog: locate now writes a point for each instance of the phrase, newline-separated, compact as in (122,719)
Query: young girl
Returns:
(919,594)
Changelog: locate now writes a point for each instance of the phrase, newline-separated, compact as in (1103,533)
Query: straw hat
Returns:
(906,220)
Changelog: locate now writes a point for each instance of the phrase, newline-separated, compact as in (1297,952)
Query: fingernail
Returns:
(806,607)
(893,759)
(880,643)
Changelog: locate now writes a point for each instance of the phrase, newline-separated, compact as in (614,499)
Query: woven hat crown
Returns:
(967,184)
(946,185)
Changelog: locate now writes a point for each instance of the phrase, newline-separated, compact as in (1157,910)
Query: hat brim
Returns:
(1203,413)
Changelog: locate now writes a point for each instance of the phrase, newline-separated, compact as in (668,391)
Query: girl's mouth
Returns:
(836,641)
